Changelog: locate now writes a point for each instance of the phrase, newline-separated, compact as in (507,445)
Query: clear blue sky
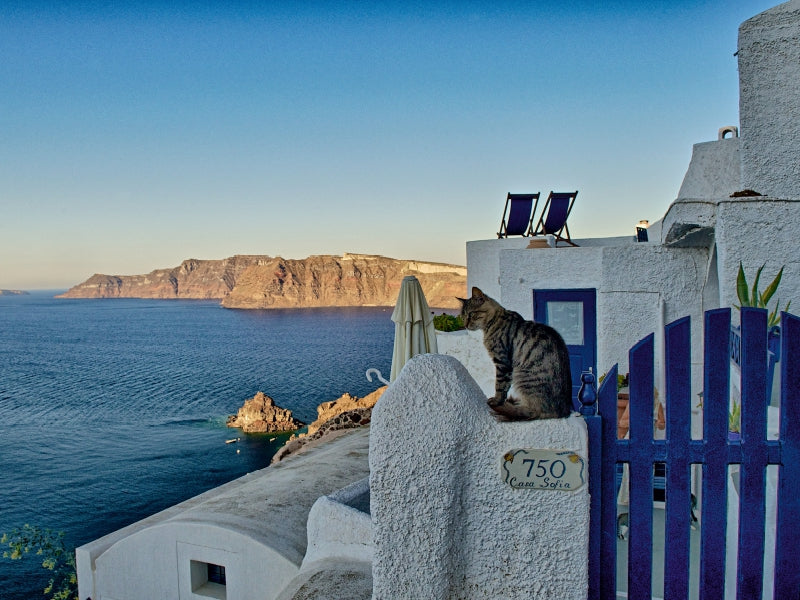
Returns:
(136,135)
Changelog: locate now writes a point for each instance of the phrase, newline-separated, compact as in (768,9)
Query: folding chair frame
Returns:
(534,198)
(540,226)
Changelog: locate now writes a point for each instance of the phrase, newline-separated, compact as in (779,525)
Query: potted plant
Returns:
(748,297)
(752,297)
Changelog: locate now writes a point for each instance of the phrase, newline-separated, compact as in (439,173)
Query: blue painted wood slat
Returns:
(640,534)
(594,424)
(787,575)
(607,406)
(716,391)
(754,455)
(678,493)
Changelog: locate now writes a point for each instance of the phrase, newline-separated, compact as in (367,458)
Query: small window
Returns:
(208,579)
(567,319)
(216,574)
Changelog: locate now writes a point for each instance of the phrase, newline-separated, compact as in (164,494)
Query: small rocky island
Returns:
(14,293)
(260,414)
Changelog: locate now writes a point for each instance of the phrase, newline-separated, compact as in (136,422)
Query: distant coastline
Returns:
(260,281)
(14,293)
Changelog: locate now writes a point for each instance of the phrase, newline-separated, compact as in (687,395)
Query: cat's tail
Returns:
(501,418)
(509,411)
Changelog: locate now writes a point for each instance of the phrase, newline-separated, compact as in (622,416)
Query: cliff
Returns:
(193,279)
(255,281)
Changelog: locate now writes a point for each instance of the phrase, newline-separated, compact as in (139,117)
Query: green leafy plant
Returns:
(445,322)
(752,297)
(735,418)
(622,380)
(49,547)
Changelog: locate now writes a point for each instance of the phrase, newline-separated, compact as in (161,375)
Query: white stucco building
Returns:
(313,525)
(690,263)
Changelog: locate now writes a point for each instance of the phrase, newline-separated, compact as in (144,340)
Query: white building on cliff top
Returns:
(440,524)
(624,290)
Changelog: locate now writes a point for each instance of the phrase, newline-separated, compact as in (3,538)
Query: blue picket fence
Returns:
(715,451)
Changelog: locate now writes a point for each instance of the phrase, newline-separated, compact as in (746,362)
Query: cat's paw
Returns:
(495,401)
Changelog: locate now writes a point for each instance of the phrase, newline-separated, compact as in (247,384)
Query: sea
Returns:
(114,409)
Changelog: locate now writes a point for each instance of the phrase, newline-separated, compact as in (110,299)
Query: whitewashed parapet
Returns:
(445,523)
(714,171)
(690,222)
(483,262)
(339,526)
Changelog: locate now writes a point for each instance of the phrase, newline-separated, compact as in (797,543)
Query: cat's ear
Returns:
(478,297)
(462,300)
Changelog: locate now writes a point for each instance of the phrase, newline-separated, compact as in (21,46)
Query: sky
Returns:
(134,135)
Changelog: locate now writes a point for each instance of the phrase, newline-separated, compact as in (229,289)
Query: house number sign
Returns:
(544,469)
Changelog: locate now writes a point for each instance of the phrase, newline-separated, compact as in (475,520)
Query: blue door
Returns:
(573,314)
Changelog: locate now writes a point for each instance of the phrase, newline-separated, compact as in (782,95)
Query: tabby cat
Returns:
(533,374)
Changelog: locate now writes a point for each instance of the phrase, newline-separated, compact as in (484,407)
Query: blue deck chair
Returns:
(520,217)
(554,216)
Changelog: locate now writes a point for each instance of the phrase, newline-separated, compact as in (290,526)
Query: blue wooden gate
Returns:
(752,452)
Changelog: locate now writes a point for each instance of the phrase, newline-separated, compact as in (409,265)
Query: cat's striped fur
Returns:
(532,362)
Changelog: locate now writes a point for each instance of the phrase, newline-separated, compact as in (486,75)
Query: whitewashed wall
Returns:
(155,563)
(484,258)
(640,287)
(769,101)
(483,263)
(522,271)
(757,232)
(445,524)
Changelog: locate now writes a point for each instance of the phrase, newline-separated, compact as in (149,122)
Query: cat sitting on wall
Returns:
(533,374)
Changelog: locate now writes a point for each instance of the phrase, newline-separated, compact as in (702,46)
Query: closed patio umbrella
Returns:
(413,325)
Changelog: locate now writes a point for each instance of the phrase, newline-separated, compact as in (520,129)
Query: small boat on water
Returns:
(232,440)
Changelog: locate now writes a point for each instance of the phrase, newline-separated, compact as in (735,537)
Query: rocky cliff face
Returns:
(193,279)
(348,280)
(274,282)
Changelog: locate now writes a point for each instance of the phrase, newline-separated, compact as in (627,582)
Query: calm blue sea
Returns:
(111,410)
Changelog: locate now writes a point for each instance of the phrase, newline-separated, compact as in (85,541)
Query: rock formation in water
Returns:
(254,281)
(13,293)
(329,410)
(260,415)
